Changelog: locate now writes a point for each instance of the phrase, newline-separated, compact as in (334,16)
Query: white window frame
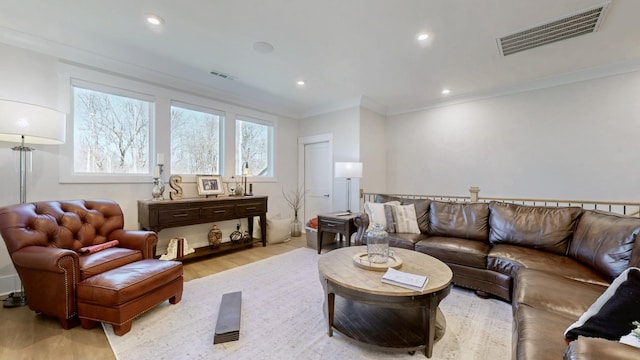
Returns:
(112,85)
(272,147)
(221,132)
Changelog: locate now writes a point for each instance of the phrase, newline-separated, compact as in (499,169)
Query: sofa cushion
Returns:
(509,259)
(543,228)
(612,314)
(405,240)
(604,241)
(538,334)
(558,294)
(106,260)
(461,220)
(491,282)
(455,250)
(585,348)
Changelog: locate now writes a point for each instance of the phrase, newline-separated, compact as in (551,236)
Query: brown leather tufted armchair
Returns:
(43,239)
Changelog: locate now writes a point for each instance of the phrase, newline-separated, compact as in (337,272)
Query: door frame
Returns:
(306,140)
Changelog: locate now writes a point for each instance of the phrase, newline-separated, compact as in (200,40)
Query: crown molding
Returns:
(543,83)
(231,92)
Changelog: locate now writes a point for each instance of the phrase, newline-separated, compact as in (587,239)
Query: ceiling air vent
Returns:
(222,75)
(580,23)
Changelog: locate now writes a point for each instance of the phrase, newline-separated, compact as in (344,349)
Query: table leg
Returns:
(331,302)
(429,313)
(263,228)
(319,241)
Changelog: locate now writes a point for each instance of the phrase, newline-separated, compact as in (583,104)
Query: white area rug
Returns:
(282,318)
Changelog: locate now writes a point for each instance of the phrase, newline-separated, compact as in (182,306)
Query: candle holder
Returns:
(156,191)
(245,173)
(158,185)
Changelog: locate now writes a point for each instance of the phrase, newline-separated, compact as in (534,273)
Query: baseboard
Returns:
(9,284)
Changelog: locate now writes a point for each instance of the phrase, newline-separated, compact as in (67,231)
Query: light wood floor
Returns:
(26,335)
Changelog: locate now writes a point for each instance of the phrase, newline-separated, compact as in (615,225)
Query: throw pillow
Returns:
(422,207)
(375,211)
(390,217)
(278,230)
(401,218)
(612,315)
(631,340)
(406,219)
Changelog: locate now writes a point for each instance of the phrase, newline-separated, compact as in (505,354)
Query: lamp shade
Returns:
(348,170)
(38,125)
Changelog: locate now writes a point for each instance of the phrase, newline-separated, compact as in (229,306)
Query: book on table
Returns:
(406,280)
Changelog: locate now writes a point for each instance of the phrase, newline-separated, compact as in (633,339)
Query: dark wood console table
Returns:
(157,215)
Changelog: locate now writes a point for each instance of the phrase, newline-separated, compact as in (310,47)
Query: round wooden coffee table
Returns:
(379,314)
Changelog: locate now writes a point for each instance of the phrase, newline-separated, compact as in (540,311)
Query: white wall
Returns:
(373,151)
(32,77)
(576,141)
(344,125)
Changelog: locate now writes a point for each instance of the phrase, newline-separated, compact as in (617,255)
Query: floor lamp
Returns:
(27,123)
(348,170)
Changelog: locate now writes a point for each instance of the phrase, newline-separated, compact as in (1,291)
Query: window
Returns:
(111,132)
(118,126)
(195,141)
(254,145)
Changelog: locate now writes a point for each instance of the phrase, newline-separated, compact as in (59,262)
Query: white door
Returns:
(317,175)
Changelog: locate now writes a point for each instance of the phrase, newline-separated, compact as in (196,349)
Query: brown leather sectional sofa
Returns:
(552,263)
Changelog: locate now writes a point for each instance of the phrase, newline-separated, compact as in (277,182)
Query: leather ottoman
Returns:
(119,295)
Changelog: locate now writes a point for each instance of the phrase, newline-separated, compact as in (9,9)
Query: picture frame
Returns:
(209,185)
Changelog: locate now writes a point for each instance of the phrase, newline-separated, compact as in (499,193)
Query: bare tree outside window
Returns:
(195,141)
(111,133)
(254,144)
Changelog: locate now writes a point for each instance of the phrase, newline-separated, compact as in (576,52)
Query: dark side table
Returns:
(337,223)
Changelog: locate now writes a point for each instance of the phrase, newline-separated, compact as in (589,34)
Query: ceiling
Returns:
(346,50)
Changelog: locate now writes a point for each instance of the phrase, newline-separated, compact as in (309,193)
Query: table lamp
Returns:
(348,170)
(27,123)
(245,174)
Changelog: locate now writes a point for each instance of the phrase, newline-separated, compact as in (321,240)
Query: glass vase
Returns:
(296,227)
(377,244)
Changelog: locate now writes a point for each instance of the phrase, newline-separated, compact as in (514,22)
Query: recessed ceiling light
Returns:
(301,82)
(422,36)
(445,92)
(154,19)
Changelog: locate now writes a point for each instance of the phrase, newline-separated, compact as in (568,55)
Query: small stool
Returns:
(118,296)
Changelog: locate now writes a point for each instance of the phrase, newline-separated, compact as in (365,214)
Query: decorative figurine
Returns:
(236,236)
(174,183)
(215,237)
(246,237)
